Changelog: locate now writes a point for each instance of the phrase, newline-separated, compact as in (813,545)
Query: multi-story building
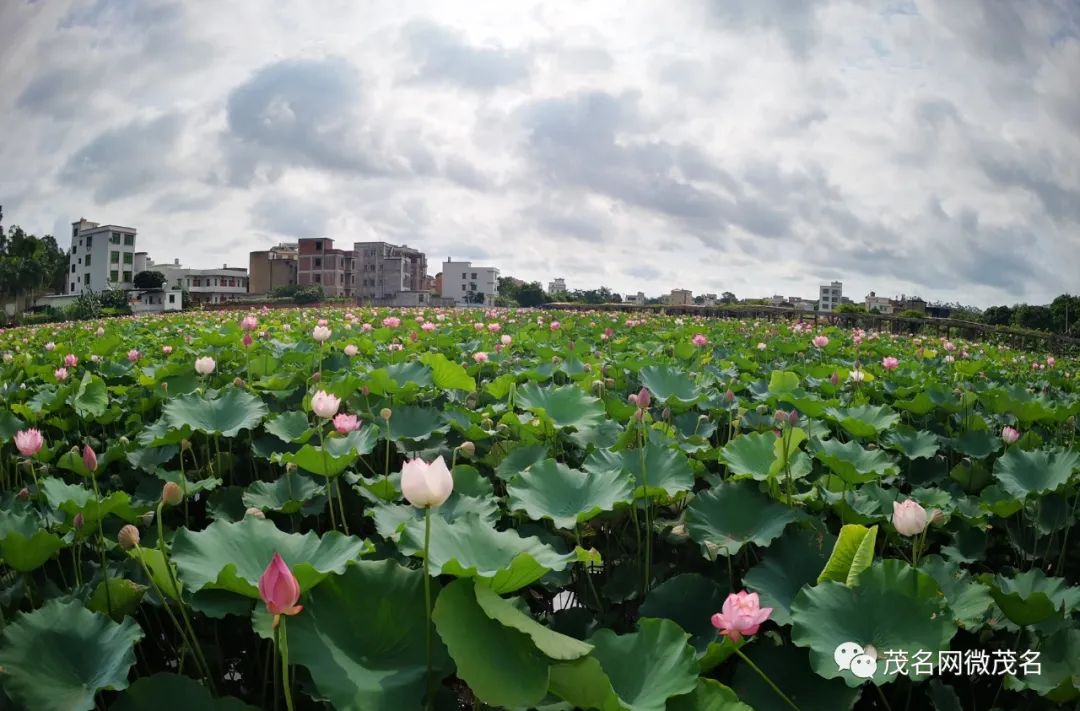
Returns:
(911,303)
(469,285)
(557,286)
(679,297)
(204,286)
(319,264)
(638,298)
(830,296)
(272,268)
(102,257)
(390,274)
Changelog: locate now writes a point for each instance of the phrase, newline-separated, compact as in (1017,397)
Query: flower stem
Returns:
(427,600)
(767,680)
(281,641)
(329,485)
(101,538)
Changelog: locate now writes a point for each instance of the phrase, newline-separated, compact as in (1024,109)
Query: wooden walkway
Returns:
(944,327)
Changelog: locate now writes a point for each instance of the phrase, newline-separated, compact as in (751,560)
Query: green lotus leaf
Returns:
(553,644)
(410,422)
(390,518)
(863,420)
(9,425)
(59,656)
(639,671)
(913,444)
(893,608)
(155,563)
(708,695)
(519,459)
(783,382)
(852,462)
(665,470)
(290,426)
(690,600)
(91,399)
(24,544)
(1031,597)
(362,636)
(667,383)
(173,692)
(470,547)
(791,562)
(226,414)
(335,455)
(751,454)
(852,554)
(1058,677)
(72,461)
(502,665)
(727,517)
(149,459)
(72,499)
(977,444)
(1037,472)
(566,496)
(446,374)
(287,494)
(566,406)
(968,600)
(232,556)
(789,668)
(121,594)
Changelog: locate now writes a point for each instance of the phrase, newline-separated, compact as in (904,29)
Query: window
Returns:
(127,276)
(115,238)
(114,257)
(87,260)
(172,298)
(472,287)
(474,275)
(127,257)
(72,286)
(72,268)
(318,262)
(114,276)
(463,275)
(89,241)
(80,261)
(74,249)
(78,278)
(129,240)
(87,279)
(318,278)
(463,287)
(318,246)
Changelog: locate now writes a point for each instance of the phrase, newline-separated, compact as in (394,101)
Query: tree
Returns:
(474,297)
(1064,313)
(30,266)
(1034,317)
(531,294)
(998,316)
(148,280)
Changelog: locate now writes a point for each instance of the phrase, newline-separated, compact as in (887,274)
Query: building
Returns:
(272,268)
(102,257)
(709,300)
(830,296)
(679,297)
(557,286)
(320,264)
(638,298)
(145,301)
(879,304)
(204,286)
(390,274)
(912,303)
(469,285)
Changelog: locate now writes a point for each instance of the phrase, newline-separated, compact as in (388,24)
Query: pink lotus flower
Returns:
(344,424)
(1050,361)
(50,346)
(506,340)
(478,326)
(494,327)
(322,322)
(890,363)
(1009,435)
(742,615)
(325,405)
(428,327)
(250,323)
(820,341)
(949,346)
(909,517)
(321,333)
(555,326)
(89,457)
(133,355)
(70,360)
(279,589)
(391,322)
(367,327)
(61,374)
(395,347)
(699,340)
(205,365)
(246,340)
(426,485)
(29,442)
(351,350)
(480,357)
(166,350)
(644,399)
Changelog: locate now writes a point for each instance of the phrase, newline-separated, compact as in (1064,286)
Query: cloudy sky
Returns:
(755,146)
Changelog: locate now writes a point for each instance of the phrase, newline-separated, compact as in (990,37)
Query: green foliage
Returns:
(148,280)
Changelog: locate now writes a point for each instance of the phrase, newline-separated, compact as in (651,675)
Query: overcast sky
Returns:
(753,146)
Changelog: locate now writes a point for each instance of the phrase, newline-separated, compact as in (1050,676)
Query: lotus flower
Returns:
(480,357)
(742,615)
(820,341)
(250,323)
(1009,434)
(279,589)
(909,518)
(890,363)
(205,365)
(128,537)
(344,424)
(761,346)
(351,350)
(50,346)
(133,355)
(89,457)
(71,360)
(426,485)
(644,399)
(324,404)
(166,350)
(29,442)
(391,322)
(320,333)
(428,327)
(555,325)
(699,340)
(61,374)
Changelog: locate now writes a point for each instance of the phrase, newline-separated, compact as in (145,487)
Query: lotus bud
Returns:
(502,428)
(23,494)
(385,413)
(486,423)
(79,521)
(780,416)
(644,398)
(665,414)
(729,395)
(172,494)
(793,418)
(365,391)
(834,378)
(124,441)
(632,398)
(185,444)
(316,377)
(89,458)
(238,382)
(255,512)
(128,537)
(467,448)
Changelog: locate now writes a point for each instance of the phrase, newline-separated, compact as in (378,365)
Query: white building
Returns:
(709,300)
(557,286)
(101,257)
(638,298)
(830,296)
(204,286)
(882,304)
(145,301)
(469,285)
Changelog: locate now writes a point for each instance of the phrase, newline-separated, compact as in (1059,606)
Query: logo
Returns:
(860,661)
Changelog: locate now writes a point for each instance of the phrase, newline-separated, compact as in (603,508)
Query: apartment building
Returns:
(638,298)
(557,286)
(320,264)
(679,297)
(830,296)
(879,304)
(204,286)
(469,285)
(273,268)
(390,274)
(102,257)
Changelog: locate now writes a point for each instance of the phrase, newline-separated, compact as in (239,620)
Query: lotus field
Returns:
(338,508)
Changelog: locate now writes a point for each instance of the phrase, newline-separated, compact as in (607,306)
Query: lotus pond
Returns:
(206,511)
